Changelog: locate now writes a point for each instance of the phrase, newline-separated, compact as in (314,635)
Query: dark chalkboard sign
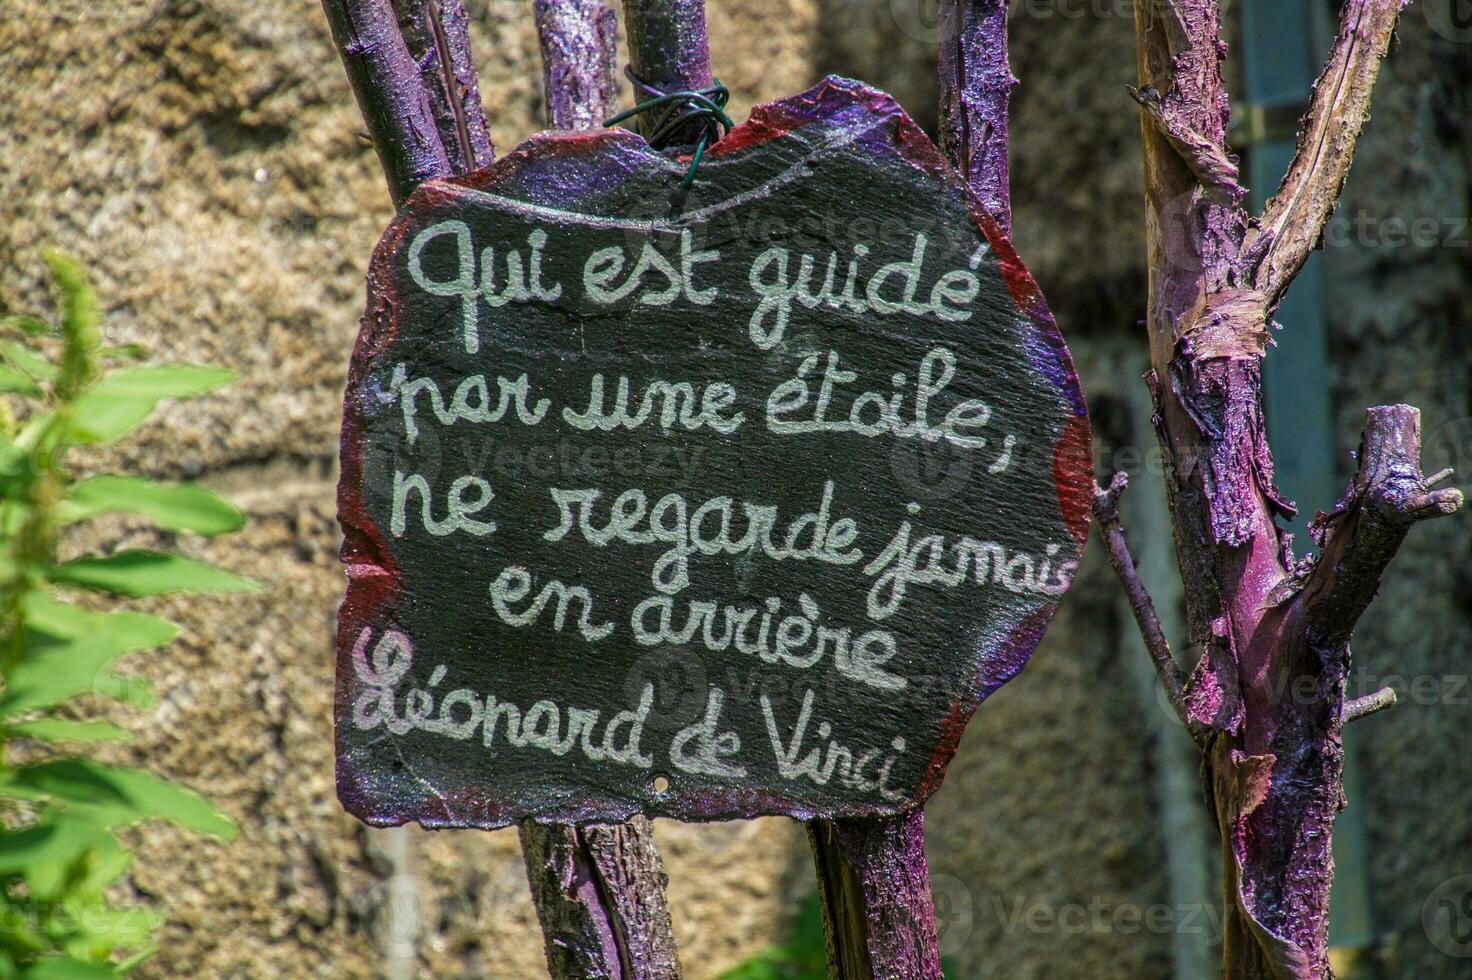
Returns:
(733,511)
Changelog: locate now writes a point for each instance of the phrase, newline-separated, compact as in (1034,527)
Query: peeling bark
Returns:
(1266,700)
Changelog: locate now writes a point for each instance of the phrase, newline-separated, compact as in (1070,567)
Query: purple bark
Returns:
(389,91)
(874,887)
(599,890)
(1266,701)
(872,877)
(579,39)
(976,85)
(599,893)
(437,33)
(668,50)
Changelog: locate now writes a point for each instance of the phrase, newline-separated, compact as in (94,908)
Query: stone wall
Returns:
(204,160)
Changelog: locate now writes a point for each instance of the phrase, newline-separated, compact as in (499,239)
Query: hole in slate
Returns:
(661,784)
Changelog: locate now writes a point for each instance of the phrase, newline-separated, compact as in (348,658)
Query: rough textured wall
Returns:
(203,160)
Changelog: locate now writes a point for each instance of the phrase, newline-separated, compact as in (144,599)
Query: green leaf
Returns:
(173,506)
(122,400)
(149,573)
(62,856)
(135,692)
(26,361)
(117,797)
(13,382)
(133,631)
(66,968)
(67,650)
(103,929)
(31,326)
(64,730)
(160,381)
(104,419)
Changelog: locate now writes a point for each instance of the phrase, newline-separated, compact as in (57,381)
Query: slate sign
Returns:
(734,511)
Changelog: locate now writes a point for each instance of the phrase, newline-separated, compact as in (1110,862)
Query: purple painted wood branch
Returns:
(668,49)
(878,911)
(875,891)
(976,85)
(579,40)
(1267,696)
(437,33)
(600,917)
(386,82)
(599,890)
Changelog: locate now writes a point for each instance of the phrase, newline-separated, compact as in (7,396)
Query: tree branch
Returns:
(390,94)
(1294,219)
(1111,530)
(976,85)
(599,889)
(1368,705)
(668,49)
(599,893)
(579,38)
(875,889)
(437,33)
(1362,534)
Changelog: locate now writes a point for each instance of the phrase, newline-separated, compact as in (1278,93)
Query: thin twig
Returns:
(1368,705)
(1106,513)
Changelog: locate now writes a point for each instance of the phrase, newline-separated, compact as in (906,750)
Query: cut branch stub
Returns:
(1364,531)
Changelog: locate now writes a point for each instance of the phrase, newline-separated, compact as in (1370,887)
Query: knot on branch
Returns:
(1231,323)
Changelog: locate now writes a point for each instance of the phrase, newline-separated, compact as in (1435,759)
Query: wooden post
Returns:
(599,890)
(878,911)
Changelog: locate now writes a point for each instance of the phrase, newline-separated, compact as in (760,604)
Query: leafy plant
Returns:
(60,389)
